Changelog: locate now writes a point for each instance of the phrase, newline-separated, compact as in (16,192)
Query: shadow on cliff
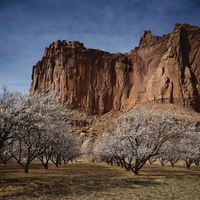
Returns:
(185,49)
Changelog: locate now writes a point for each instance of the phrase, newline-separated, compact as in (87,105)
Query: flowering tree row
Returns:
(142,135)
(35,126)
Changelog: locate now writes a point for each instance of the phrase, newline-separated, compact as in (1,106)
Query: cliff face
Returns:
(163,68)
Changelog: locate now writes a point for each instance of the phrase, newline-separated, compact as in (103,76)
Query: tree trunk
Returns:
(46,165)
(188,165)
(136,171)
(56,164)
(197,163)
(26,167)
(172,164)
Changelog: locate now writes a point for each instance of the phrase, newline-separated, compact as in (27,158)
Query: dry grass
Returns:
(99,181)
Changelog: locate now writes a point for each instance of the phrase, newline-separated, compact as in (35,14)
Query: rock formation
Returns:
(165,69)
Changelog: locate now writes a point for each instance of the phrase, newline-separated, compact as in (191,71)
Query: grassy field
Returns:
(100,181)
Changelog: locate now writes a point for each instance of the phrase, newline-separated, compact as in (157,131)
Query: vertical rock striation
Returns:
(165,69)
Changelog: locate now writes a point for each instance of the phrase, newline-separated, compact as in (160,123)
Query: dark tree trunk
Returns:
(188,165)
(136,172)
(197,163)
(26,167)
(46,166)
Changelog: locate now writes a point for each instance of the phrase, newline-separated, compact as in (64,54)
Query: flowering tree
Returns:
(189,148)
(110,149)
(169,152)
(5,154)
(35,126)
(140,134)
(9,110)
(31,129)
(64,149)
(37,120)
(61,148)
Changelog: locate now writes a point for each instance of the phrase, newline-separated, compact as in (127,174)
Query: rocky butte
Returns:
(164,69)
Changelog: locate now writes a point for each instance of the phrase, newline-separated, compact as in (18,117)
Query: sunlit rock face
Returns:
(165,69)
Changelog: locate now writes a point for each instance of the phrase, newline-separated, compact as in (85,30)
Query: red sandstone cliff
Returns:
(163,68)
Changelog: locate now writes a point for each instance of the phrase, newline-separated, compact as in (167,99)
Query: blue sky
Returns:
(28,26)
